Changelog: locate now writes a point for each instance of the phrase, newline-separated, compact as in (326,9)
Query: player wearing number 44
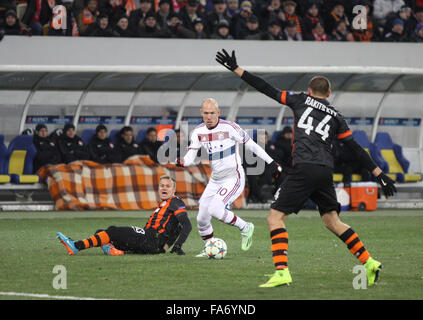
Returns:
(221,139)
(316,125)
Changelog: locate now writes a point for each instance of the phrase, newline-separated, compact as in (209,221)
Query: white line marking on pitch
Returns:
(44,296)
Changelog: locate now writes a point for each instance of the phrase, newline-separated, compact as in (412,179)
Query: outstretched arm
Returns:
(256,82)
(258,151)
(366,161)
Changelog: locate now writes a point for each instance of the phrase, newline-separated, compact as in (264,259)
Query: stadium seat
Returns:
(86,135)
(141,135)
(392,154)
(21,154)
(4,177)
(362,139)
(113,136)
(274,136)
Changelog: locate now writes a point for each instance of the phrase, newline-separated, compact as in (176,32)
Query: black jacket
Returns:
(45,13)
(150,148)
(72,149)
(94,30)
(14,30)
(102,151)
(125,150)
(47,152)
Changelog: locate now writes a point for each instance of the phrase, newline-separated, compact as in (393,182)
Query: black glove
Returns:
(387,184)
(276,169)
(178,250)
(226,60)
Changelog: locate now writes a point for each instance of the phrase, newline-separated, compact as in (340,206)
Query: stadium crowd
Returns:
(299,20)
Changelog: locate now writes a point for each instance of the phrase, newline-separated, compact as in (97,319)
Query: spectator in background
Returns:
(256,182)
(71,29)
(126,146)
(232,7)
(47,151)
(417,36)
(178,141)
(222,32)
(252,32)
(238,22)
(114,10)
(137,17)
(397,32)
(175,28)
(150,29)
(71,146)
(274,31)
(189,13)
(165,8)
(100,28)
(88,15)
(218,13)
(290,31)
(150,145)
(100,148)
(341,32)
(178,5)
(416,18)
(311,16)
(200,33)
(122,27)
(37,14)
(289,8)
(283,145)
(11,26)
(336,14)
(317,33)
(404,14)
(5,6)
(382,9)
(271,11)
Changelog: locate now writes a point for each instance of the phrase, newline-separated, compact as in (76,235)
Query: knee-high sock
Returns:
(96,240)
(231,218)
(204,226)
(279,238)
(356,247)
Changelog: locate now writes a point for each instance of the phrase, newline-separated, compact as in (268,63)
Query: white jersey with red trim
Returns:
(221,143)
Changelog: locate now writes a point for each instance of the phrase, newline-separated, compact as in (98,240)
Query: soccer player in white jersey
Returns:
(221,138)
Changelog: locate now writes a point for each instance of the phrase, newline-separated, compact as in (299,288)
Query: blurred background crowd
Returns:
(299,20)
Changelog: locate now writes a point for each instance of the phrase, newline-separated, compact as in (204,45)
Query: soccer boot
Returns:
(68,243)
(279,278)
(247,237)
(372,270)
(110,250)
(202,254)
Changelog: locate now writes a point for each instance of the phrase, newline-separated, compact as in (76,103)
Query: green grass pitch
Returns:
(320,264)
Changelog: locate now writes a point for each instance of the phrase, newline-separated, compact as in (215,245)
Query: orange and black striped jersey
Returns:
(316,124)
(165,212)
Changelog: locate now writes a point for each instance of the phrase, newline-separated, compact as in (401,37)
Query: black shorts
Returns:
(135,239)
(306,181)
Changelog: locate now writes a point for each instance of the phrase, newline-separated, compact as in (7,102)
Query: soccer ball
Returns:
(216,248)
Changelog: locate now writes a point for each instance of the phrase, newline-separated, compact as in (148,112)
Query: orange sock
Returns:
(356,247)
(97,240)
(279,238)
